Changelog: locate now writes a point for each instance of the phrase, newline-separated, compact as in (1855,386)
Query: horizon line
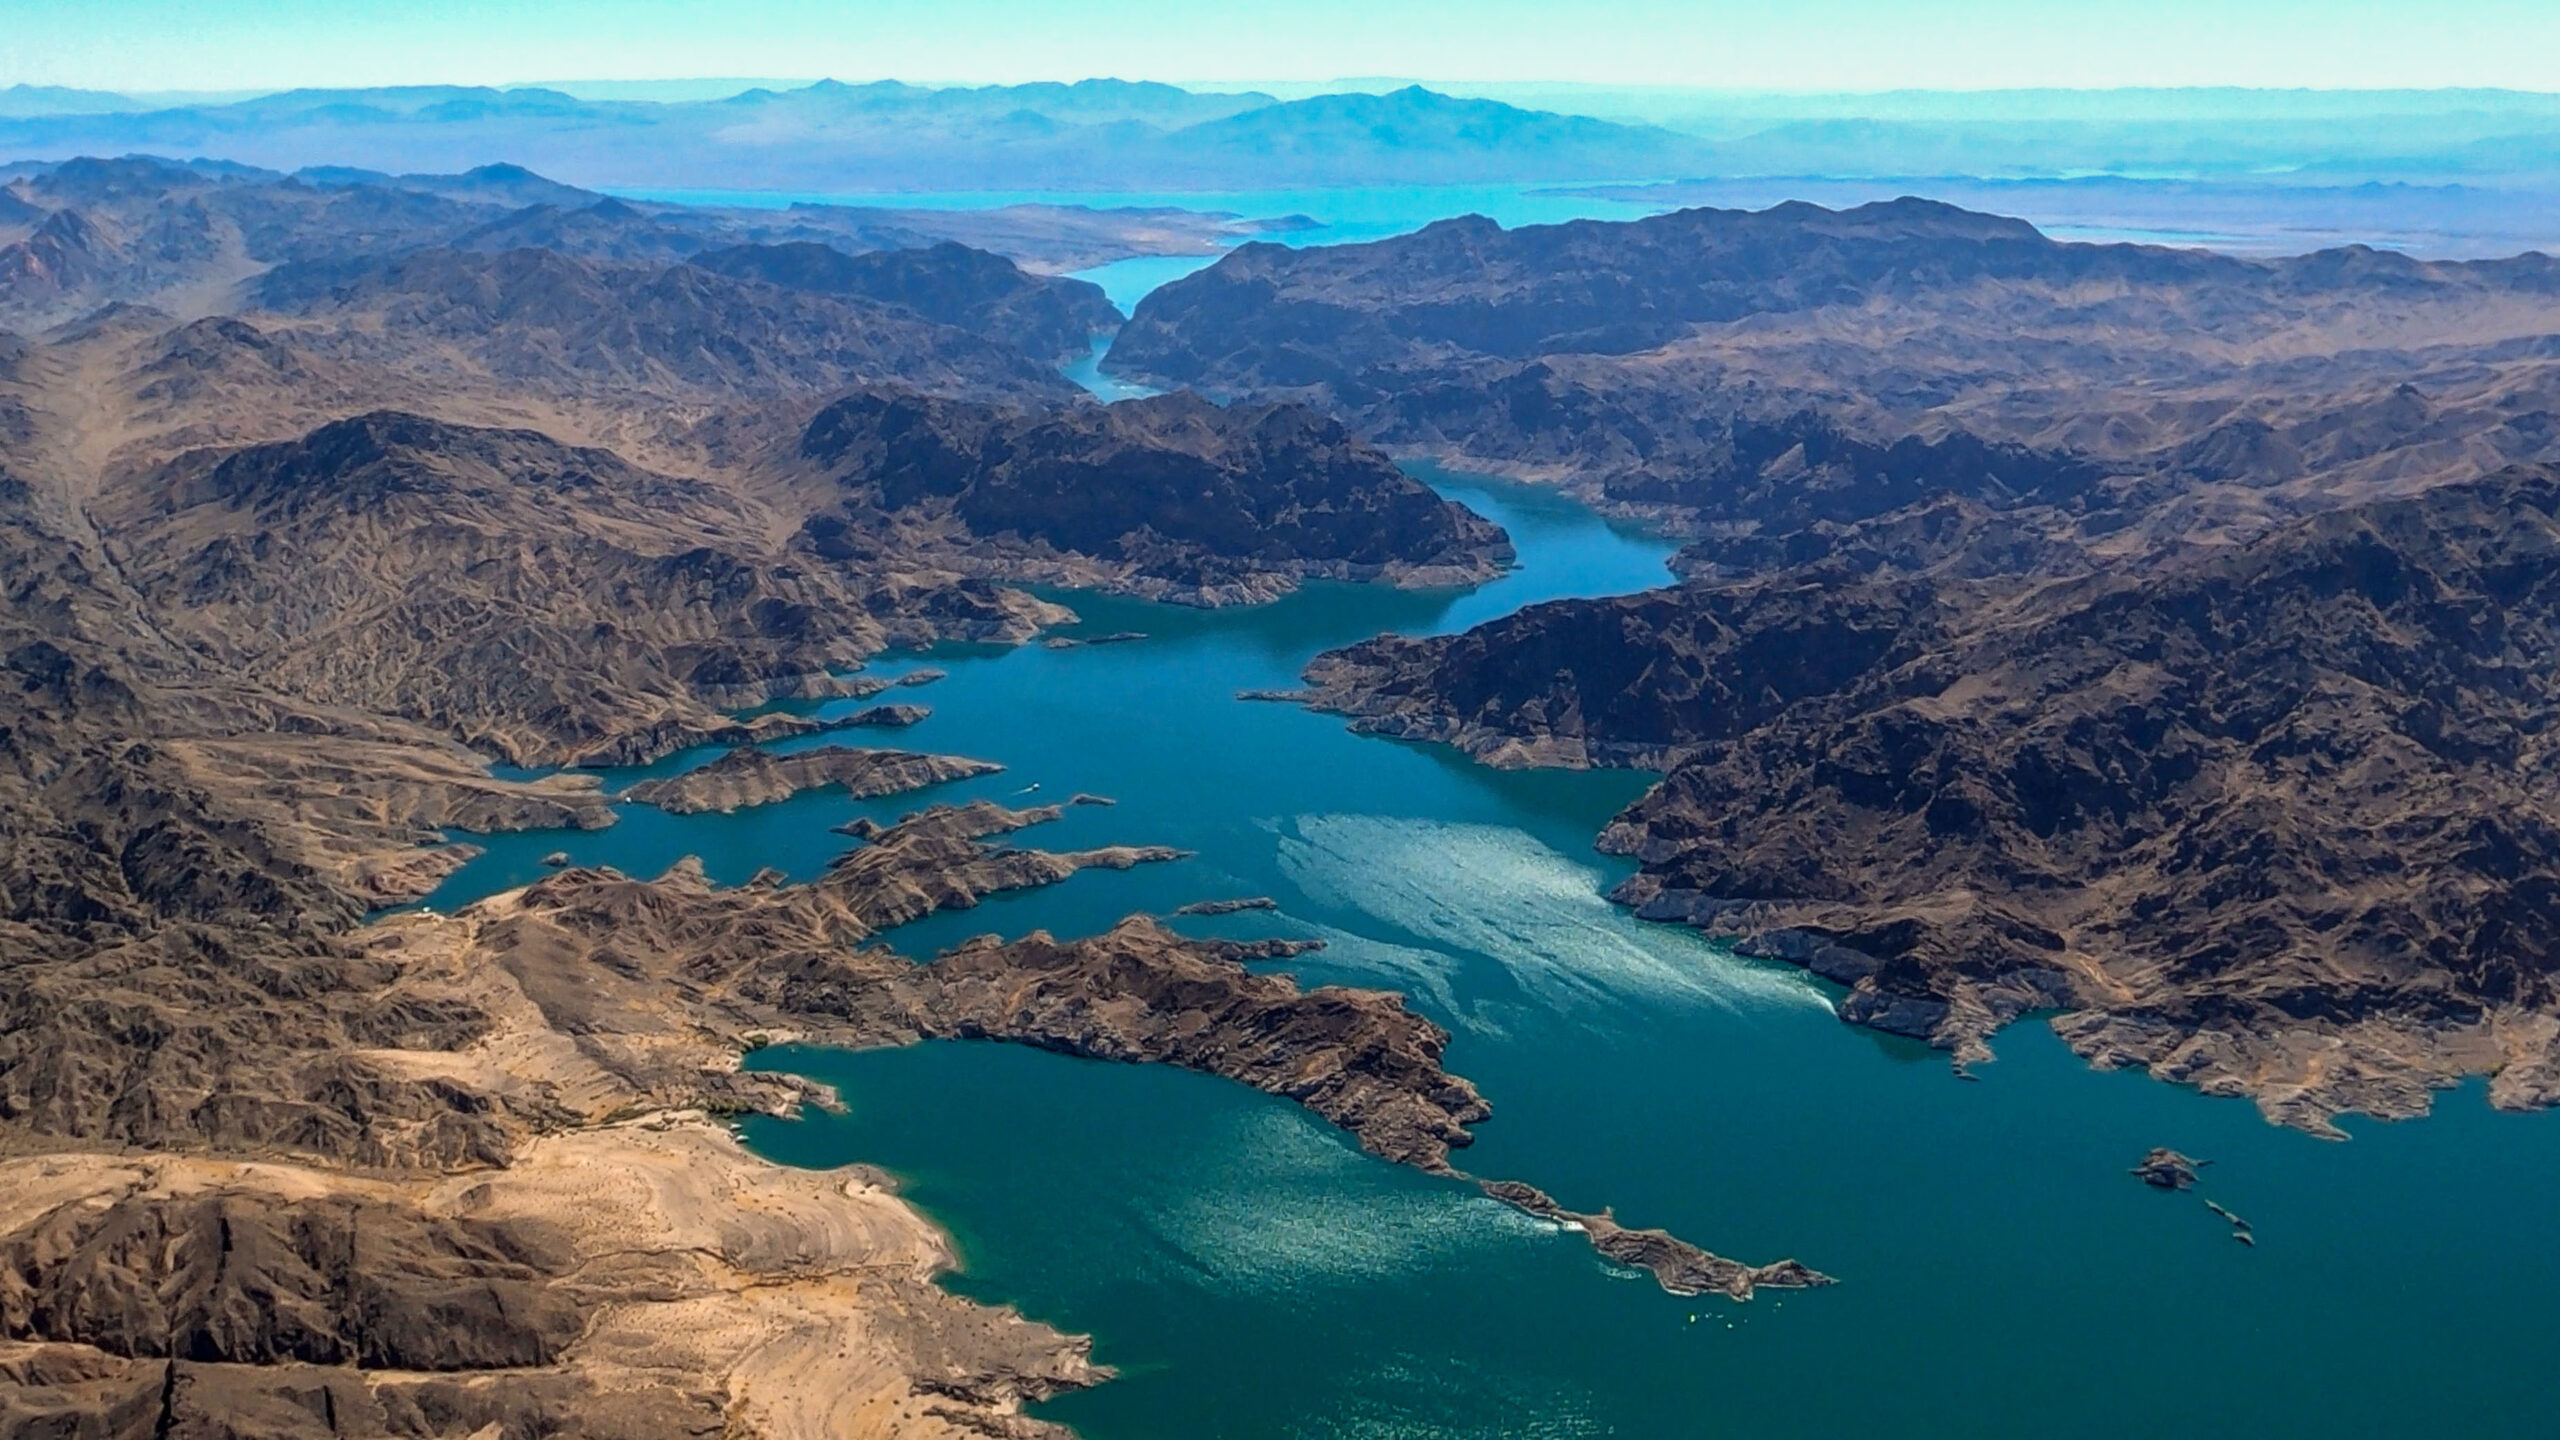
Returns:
(1347,84)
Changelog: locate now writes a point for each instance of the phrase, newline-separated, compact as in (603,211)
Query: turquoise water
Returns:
(1087,372)
(1252,1275)
(1346,213)
(1126,282)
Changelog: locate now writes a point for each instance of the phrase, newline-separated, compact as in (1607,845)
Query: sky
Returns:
(1814,45)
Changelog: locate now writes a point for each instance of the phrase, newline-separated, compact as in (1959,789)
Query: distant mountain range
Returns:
(1105,135)
(1095,135)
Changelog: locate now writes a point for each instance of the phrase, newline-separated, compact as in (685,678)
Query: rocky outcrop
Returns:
(2268,820)
(2165,1169)
(748,776)
(1140,992)
(1680,1267)
(1228,907)
(1171,497)
(1638,680)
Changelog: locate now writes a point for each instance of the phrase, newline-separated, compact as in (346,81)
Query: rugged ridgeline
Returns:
(1170,497)
(183,237)
(307,302)
(2274,819)
(571,326)
(1779,382)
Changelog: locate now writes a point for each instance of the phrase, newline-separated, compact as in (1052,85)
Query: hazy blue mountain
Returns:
(1122,135)
(493,184)
(1097,134)
(1418,136)
(26,101)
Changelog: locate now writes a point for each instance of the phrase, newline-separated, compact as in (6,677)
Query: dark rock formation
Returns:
(1227,907)
(1357,1058)
(2166,1169)
(888,717)
(1173,497)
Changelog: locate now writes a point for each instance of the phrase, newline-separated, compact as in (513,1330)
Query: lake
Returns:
(1253,1275)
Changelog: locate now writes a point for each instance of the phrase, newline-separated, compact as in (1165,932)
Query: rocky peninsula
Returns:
(748,776)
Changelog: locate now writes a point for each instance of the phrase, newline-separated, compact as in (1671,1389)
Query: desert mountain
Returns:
(1170,497)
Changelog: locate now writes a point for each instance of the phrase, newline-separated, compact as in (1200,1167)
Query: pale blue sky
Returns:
(1779,44)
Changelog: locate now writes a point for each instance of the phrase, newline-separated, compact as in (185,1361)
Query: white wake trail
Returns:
(1492,891)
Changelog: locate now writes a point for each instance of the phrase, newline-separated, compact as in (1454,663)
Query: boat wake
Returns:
(1451,891)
